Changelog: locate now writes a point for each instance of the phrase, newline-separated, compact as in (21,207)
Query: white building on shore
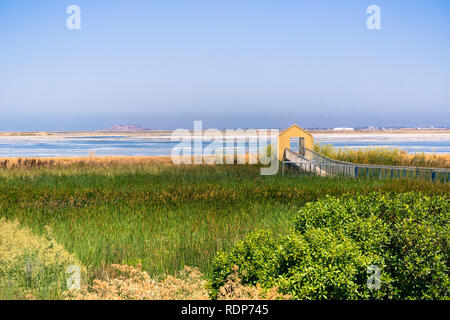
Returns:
(343,129)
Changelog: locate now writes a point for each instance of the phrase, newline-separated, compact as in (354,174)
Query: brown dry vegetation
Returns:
(123,282)
(81,161)
(434,160)
(92,161)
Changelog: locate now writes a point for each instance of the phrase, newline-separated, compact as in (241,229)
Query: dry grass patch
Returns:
(94,161)
(124,282)
(31,266)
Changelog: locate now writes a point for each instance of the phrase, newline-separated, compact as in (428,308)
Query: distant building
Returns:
(125,128)
(343,129)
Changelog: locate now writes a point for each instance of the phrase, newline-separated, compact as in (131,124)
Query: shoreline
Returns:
(168,132)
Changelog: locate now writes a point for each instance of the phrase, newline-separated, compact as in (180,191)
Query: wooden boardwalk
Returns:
(315,163)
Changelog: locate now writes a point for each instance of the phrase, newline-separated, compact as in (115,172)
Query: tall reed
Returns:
(384,156)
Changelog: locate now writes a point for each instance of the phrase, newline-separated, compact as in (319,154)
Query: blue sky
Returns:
(254,63)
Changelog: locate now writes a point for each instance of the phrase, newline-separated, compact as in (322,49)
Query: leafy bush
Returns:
(335,240)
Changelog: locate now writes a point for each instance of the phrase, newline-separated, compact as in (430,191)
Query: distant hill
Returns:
(125,128)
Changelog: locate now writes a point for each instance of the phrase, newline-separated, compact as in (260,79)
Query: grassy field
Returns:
(160,215)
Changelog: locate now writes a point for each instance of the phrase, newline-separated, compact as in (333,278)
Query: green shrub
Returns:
(335,240)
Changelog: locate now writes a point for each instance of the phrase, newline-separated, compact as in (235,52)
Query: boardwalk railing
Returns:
(317,163)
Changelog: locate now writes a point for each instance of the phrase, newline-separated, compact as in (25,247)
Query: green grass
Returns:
(165,216)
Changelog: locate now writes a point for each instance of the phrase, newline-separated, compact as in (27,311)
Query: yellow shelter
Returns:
(296,139)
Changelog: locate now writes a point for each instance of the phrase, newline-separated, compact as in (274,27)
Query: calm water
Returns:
(49,146)
(103,146)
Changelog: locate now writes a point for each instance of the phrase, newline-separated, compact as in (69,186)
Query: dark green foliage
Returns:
(334,241)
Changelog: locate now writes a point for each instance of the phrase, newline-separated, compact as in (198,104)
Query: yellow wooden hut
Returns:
(296,139)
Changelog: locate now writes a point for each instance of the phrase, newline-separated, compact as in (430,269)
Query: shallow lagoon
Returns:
(162,145)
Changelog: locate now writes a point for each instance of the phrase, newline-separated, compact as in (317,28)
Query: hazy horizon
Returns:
(231,64)
(172,122)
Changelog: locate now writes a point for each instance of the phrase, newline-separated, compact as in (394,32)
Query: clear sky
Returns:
(234,63)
